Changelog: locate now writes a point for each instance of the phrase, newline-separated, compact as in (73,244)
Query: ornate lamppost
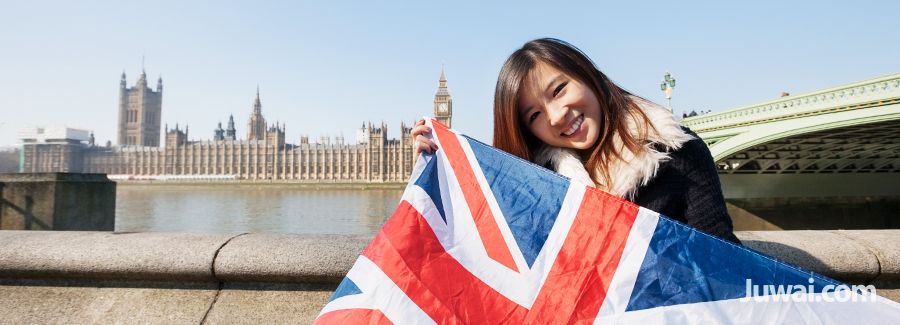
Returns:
(667,85)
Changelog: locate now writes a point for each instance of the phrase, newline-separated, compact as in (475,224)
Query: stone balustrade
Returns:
(104,277)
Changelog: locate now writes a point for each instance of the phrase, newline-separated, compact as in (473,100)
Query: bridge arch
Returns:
(853,128)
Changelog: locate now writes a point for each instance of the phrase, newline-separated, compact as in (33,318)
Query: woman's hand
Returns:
(423,144)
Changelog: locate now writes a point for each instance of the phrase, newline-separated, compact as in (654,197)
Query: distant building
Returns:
(443,103)
(264,155)
(58,149)
(140,113)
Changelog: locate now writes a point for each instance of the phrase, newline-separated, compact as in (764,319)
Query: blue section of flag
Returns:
(428,181)
(346,288)
(529,196)
(683,266)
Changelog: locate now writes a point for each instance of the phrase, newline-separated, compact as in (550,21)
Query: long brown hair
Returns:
(616,105)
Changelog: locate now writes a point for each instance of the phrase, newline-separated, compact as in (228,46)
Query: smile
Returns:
(575,126)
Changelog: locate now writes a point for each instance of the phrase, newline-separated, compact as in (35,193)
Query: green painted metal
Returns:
(765,133)
(731,131)
(814,103)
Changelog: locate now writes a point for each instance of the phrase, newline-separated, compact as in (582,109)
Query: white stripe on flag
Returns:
(419,200)
(460,239)
(521,288)
(499,219)
(556,238)
(736,311)
(380,293)
(619,293)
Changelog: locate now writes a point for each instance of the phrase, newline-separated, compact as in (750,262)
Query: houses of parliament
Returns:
(263,155)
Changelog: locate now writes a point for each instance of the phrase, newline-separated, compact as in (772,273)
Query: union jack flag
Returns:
(482,237)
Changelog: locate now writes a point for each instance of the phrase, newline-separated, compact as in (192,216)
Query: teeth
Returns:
(575,126)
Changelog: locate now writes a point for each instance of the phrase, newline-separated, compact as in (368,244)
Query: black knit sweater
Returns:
(687,189)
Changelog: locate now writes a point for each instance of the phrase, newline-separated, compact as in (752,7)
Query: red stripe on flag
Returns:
(408,251)
(583,269)
(353,316)
(487,227)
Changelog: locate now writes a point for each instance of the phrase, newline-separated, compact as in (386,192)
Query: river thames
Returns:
(242,208)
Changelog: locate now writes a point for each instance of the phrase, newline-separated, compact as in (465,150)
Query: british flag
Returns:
(482,237)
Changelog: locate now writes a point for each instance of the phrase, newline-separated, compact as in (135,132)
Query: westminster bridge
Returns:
(804,161)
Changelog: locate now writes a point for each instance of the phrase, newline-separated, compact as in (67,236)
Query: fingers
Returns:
(422,147)
(419,130)
(428,142)
(424,144)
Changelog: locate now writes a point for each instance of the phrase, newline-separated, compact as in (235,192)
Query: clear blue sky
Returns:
(324,67)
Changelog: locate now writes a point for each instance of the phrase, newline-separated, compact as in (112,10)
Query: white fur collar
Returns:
(630,172)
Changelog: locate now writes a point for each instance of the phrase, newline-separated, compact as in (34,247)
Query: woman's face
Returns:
(558,109)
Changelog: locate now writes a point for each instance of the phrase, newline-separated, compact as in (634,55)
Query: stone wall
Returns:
(57,201)
(178,278)
(815,213)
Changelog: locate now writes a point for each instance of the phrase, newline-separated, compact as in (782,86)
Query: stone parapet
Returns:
(109,256)
(288,258)
(847,260)
(106,277)
(856,256)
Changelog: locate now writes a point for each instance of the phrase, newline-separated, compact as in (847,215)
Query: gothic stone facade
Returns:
(265,156)
(380,160)
(140,112)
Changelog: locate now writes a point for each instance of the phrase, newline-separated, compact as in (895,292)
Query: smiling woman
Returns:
(553,107)
(559,110)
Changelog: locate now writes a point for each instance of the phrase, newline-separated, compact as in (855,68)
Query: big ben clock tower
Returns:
(443,104)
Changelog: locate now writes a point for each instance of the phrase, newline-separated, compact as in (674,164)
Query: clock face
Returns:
(442,107)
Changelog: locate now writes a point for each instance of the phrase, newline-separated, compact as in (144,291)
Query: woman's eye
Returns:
(559,88)
(533,117)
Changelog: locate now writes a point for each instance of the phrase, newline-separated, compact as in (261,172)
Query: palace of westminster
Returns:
(263,155)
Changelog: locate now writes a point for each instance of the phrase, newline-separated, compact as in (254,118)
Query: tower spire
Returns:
(142,79)
(257,106)
(442,81)
(256,126)
(231,133)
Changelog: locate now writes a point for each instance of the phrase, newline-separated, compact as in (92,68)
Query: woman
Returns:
(553,107)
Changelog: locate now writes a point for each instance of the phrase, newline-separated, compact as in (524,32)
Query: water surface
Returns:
(241,208)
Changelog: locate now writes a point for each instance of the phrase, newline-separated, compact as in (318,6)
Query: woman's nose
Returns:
(557,114)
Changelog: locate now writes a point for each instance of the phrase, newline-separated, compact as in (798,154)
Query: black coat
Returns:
(687,189)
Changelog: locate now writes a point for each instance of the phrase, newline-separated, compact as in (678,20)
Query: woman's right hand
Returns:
(423,144)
